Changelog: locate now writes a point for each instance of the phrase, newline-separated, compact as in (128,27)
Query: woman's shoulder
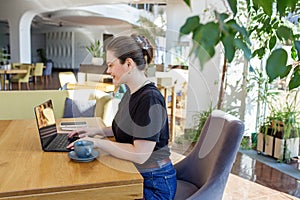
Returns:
(150,91)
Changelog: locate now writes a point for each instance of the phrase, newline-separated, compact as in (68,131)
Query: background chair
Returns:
(47,73)
(66,77)
(22,78)
(15,65)
(38,71)
(204,172)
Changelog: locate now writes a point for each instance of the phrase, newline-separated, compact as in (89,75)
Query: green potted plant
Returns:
(95,50)
(279,134)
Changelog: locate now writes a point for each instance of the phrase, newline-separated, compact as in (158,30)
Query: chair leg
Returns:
(19,86)
(27,84)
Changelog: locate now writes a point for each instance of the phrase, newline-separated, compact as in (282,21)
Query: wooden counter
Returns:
(29,173)
(106,87)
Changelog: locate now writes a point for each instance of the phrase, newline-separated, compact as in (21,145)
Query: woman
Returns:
(140,126)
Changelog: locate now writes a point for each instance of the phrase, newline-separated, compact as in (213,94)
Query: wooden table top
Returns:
(26,170)
(106,87)
(13,71)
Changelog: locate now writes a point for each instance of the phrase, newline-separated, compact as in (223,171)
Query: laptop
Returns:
(49,137)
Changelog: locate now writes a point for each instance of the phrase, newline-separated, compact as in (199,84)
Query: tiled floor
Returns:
(238,188)
(257,172)
(249,179)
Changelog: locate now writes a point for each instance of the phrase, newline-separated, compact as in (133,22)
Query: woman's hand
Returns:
(71,145)
(91,132)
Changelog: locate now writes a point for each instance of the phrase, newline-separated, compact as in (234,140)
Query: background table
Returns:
(29,173)
(7,72)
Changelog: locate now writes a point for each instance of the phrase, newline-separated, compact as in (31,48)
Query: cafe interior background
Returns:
(65,28)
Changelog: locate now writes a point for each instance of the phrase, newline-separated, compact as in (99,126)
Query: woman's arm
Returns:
(103,131)
(138,152)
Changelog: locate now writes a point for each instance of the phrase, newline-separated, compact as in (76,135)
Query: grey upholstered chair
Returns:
(204,172)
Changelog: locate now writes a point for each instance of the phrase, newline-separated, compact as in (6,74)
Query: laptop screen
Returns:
(45,122)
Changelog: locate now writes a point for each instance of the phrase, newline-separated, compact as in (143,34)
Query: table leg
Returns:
(2,83)
(5,78)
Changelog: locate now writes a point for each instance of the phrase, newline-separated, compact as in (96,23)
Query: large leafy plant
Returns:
(270,24)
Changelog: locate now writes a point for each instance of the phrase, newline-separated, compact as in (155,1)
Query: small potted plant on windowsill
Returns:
(95,50)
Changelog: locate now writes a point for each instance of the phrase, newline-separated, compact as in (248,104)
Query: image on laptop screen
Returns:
(45,115)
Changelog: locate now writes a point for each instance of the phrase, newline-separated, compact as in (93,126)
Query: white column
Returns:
(25,37)
(203,83)
(20,37)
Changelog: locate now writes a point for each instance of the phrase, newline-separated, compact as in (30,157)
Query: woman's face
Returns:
(117,70)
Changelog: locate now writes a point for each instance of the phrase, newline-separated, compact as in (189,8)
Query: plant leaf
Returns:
(265,4)
(207,44)
(223,16)
(232,4)
(284,32)
(190,25)
(272,42)
(297,47)
(276,64)
(187,2)
(259,52)
(241,45)
(202,54)
(295,80)
(242,30)
(211,29)
(227,41)
(287,71)
(293,53)
(283,6)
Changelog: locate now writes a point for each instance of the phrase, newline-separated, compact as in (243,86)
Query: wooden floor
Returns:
(249,179)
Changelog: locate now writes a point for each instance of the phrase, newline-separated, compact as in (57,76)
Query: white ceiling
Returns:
(76,18)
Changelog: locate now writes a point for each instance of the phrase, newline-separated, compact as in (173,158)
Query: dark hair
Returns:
(136,47)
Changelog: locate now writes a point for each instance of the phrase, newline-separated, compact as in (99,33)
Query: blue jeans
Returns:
(160,183)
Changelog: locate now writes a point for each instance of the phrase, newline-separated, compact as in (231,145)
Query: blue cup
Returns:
(83,148)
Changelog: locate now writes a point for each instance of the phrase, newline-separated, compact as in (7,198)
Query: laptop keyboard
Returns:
(60,142)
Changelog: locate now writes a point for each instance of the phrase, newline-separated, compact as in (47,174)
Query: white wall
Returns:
(38,40)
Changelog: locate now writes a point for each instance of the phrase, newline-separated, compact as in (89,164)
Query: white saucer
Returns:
(74,157)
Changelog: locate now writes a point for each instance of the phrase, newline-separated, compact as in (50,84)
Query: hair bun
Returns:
(145,45)
(143,42)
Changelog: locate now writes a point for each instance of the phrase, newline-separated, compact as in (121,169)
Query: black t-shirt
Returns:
(143,115)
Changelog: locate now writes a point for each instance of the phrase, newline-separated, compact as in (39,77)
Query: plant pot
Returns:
(97,61)
(276,146)
(286,148)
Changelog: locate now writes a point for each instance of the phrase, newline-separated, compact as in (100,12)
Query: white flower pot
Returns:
(97,61)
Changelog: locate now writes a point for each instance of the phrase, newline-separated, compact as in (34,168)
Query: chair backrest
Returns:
(208,165)
(25,77)
(15,65)
(38,69)
(48,70)
(66,77)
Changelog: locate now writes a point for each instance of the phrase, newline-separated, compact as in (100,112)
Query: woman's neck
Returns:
(137,82)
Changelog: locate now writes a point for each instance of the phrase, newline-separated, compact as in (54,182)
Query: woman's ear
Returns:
(129,62)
